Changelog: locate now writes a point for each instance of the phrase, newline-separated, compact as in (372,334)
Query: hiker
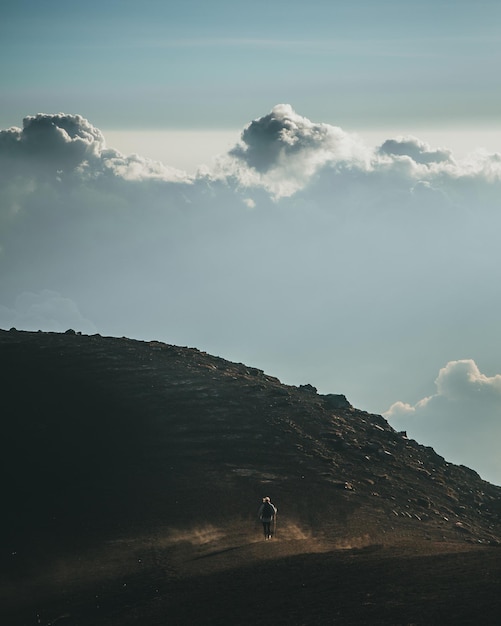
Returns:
(267,513)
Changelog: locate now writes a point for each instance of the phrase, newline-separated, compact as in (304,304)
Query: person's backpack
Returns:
(268,510)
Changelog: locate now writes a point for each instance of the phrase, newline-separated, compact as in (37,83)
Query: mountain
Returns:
(134,471)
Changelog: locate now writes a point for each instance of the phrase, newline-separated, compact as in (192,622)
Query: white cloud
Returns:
(61,144)
(462,420)
(281,153)
(285,150)
(60,139)
(417,150)
(249,203)
(136,168)
(272,140)
(285,154)
(463,381)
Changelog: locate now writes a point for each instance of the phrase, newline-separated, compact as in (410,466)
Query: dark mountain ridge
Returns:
(109,440)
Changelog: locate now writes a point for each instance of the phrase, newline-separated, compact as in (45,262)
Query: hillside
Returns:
(135,470)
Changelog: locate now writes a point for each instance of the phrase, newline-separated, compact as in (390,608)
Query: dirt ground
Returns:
(209,575)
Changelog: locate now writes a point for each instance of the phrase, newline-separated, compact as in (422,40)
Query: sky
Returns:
(309,188)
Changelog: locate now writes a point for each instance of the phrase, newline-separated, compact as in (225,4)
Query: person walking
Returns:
(267,513)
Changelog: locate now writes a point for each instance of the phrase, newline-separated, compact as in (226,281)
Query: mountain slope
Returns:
(113,446)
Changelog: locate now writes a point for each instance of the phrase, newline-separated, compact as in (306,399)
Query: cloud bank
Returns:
(302,251)
(462,420)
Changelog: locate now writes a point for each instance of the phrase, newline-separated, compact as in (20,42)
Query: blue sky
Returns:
(341,230)
(155,65)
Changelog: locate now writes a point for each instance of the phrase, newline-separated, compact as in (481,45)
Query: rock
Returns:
(309,388)
(335,401)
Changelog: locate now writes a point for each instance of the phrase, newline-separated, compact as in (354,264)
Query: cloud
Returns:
(462,380)
(285,149)
(285,154)
(61,144)
(61,140)
(46,310)
(281,153)
(417,150)
(283,134)
(462,420)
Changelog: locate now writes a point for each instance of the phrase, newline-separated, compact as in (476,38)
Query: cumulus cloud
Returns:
(463,381)
(462,420)
(286,149)
(60,140)
(281,153)
(283,134)
(61,144)
(285,154)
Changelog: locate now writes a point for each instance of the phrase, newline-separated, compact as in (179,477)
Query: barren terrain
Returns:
(134,471)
